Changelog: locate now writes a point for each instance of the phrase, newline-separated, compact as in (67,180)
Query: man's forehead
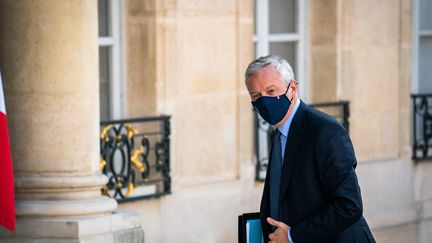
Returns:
(266,85)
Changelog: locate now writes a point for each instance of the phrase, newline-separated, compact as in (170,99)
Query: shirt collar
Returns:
(286,125)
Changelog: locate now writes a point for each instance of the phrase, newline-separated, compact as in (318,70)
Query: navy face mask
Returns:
(272,108)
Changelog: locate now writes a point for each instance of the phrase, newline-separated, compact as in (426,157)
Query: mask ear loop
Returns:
(287,91)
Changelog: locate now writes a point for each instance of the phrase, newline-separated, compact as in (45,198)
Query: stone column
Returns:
(49,63)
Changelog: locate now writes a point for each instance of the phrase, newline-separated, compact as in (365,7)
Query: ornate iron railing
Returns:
(422,127)
(134,155)
(339,110)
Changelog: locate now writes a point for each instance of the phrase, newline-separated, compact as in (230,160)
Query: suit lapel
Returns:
(291,148)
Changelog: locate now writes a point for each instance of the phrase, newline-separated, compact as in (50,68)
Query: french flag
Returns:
(7,199)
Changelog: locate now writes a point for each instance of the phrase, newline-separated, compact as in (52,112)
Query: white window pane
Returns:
(283,16)
(425,14)
(104,82)
(286,50)
(104,18)
(425,65)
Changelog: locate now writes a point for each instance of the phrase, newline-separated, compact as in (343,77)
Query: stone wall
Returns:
(190,63)
(188,58)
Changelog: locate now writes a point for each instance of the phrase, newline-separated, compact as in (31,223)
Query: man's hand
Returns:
(281,233)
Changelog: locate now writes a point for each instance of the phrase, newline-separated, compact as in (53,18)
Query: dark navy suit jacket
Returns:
(319,193)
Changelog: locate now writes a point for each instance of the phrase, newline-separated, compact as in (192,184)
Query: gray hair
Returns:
(280,64)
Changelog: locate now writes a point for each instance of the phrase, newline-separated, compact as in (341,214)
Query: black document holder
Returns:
(242,220)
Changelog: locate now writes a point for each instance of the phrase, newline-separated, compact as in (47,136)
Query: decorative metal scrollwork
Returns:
(126,153)
(422,127)
(263,131)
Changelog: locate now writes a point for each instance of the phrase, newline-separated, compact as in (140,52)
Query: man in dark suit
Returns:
(311,191)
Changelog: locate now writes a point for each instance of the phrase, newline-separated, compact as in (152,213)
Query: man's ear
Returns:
(294,84)
(293,87)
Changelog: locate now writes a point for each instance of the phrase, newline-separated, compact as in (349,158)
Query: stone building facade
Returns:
(186,59)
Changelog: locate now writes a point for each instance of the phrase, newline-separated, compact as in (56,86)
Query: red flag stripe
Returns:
(7,199)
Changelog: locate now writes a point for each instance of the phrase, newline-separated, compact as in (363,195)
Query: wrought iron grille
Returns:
(134,155)
(339,110)
(422,127)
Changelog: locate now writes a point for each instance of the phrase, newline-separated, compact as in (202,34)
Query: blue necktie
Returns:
(275,175)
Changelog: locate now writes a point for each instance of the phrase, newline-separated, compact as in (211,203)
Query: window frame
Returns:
(420,100)
(116,63)
(415,46)
(416,35)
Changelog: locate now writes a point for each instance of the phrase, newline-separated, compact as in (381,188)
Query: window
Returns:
(422,46)
(110,60)
(280,28)
(422,81)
